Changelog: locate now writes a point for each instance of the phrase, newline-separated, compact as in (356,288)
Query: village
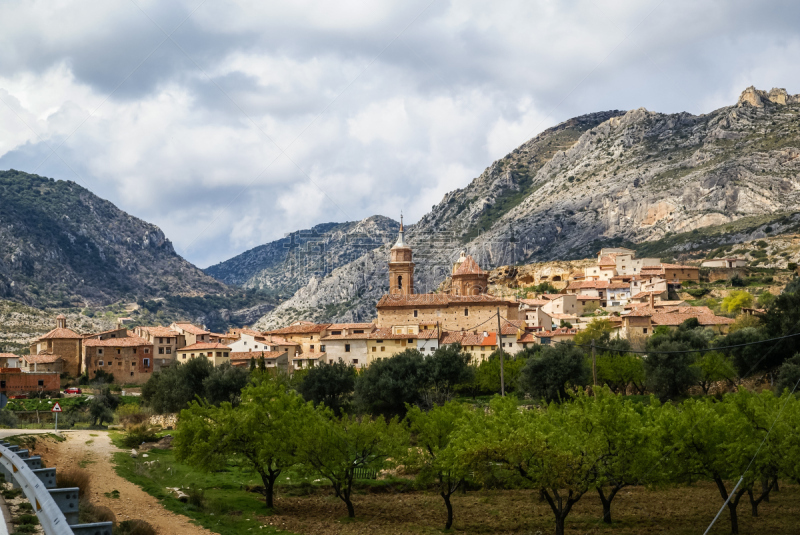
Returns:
(631,293)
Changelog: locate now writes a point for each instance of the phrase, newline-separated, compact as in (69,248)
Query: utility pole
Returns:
(594,367)
(500,347)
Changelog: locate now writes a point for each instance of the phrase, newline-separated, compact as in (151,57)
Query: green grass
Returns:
(45,404)
(228,508)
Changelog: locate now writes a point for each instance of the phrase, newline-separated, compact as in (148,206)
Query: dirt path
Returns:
(96,450)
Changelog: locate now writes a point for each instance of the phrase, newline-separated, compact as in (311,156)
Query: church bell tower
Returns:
(401,267)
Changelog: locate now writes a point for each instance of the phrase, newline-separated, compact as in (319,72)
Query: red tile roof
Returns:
(469,267)
(353,336)
(677,266)
(337,326)
(563,331)
(608,260)
(128,341)
(8,356)
(419,300)
(191,328)
(534,302)
(512,327)
(200,346)
(276,340)
(386,334)
(60,333)
(302,328)
(247,355)
(41,359)
(588,298)
(159,331)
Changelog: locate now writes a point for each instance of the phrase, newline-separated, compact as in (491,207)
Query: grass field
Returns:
(394,507)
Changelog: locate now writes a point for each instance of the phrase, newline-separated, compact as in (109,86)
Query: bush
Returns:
(737,281)
(74,477)
(130,414)
(134,527)
(89,513)
(135,434)
(196,498)
(789,375)
(548,374)
(27,519)
(8,419)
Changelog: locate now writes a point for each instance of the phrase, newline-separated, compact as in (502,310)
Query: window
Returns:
(192,355)
(383,348)
(644,331)
(374,349)
(133,364)
(134,350)
(169,351)
(99,362)
(466,312)
(147,351)
(355,361)
(160,350)
(347,348)
(378,341)
(131,374)
(99,350)
(160,340)
(184,355)
(41,383)
(359,331)
(119,351)
(146,363)
(416,313)
(410,340)
(336,333)
(245,342)
(119,363)
(322,348)
(2,384)
(312,348)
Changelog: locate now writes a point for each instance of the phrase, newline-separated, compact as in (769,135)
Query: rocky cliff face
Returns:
(611,177)
(61,245)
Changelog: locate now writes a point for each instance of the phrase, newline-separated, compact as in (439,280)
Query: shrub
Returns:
(30,520)
(556,368)
(132,414)
(135,434)
(791,266)
(134,527)
(196,498)
(8,419)
(89,513)
(737,281)
(74,477)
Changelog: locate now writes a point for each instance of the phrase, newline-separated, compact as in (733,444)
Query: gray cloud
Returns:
(377,108)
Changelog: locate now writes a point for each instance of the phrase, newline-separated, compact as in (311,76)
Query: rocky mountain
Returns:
(636,177)
(61,245)
(283,266)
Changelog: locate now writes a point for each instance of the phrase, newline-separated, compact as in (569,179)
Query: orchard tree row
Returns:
(592,443)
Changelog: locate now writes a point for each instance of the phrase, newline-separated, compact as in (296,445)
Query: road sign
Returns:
(56,407)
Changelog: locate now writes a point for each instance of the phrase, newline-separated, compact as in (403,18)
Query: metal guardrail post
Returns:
(50,516)
(67,501)
(47,475)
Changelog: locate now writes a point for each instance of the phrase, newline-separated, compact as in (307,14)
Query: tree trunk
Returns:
(733,503)
(269,486)
(734,518)
(351,512)
(559,508)
(607,502)
(449,506)
(559,525)
(754,502)
(775,484)
(765,488)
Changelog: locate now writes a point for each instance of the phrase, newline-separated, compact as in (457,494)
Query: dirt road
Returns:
(93,450)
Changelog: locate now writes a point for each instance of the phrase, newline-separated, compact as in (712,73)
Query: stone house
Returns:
(725,263)
(307,335)
(9,360)
(166,343)
(42,363)
(618,294)
(562,334)
(562,304)
(63,342)
(130,359)
(532,312)
(273,360)
(479,346)
(216,353)
(450,312)
(347,342)
(13,381)
(192,334)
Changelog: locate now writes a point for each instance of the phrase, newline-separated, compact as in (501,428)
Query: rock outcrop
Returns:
(633,177)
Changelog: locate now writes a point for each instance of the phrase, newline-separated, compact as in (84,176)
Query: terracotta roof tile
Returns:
(393,300)
(469,267)
(41,359)
(199,346)
(60,333)
(304,328)
(191,328)
(162,332)
(563,331)
(247,355)
(534,302)
(337,326)
(128,341)
(677,266)
(353,336)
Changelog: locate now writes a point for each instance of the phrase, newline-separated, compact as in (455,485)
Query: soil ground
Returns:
(380,510)
(93,451)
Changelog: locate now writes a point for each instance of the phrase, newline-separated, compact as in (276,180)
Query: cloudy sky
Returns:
(231,122)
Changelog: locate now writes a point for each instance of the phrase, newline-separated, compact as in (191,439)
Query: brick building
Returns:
(13,381)
(191,333)
(63,342)
(130,359)
(43,363)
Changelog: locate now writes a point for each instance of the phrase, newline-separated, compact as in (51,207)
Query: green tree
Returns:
(172,389)
(434,459)
(599,330)
(710,441)
(747,355)
(619,371)
(446,368)
(102,406)
(261,430)
(487,374)
(669,363)
(529,448)
(765,299)
(225,383)
(623,440)
(549,374)
(714,366)
(735,301)
(329,384)
(386,386)
(788,375)
(337,449)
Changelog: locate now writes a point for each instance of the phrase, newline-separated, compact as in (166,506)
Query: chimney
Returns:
(652,299)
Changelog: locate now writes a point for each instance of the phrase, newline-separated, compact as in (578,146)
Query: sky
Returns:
(229,123)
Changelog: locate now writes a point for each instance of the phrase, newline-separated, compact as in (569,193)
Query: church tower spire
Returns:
(401,266)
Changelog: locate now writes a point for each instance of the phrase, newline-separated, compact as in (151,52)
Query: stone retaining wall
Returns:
(166,421)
